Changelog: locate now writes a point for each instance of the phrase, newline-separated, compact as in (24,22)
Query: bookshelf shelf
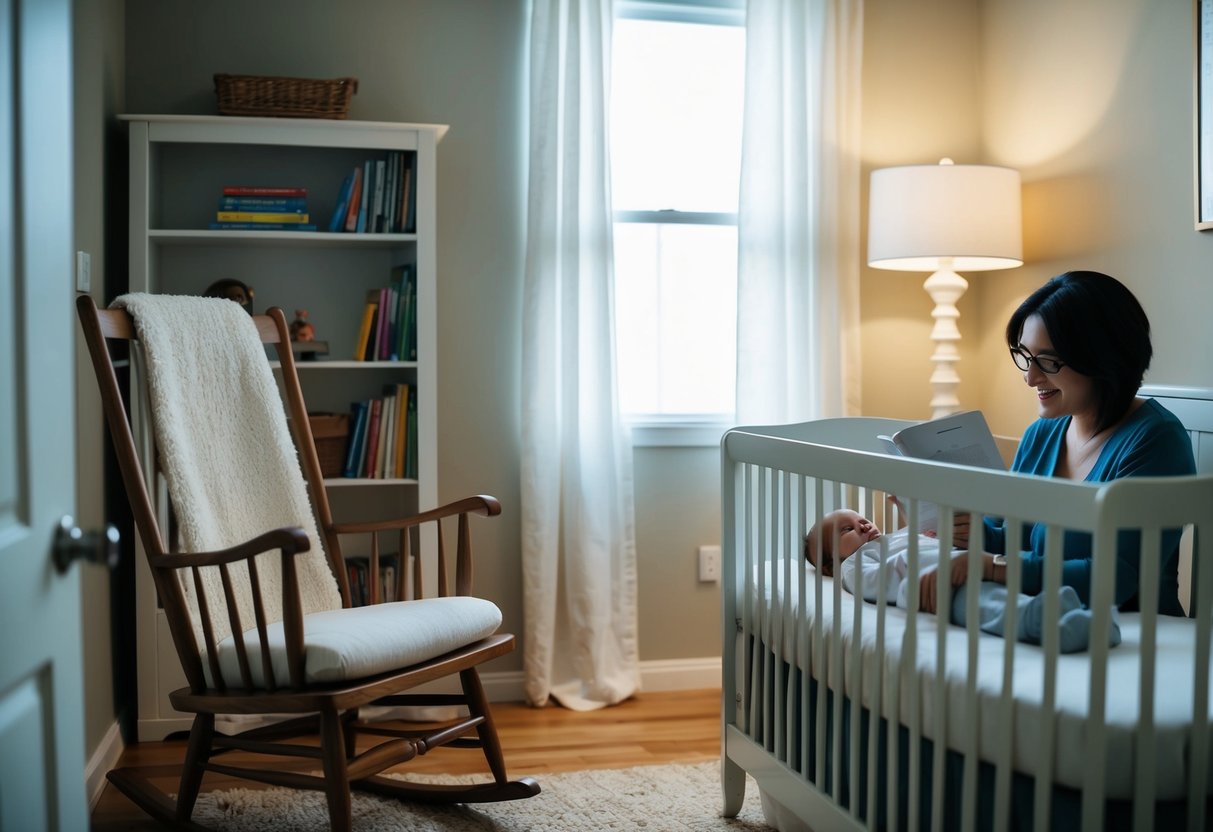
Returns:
(193,237)
(179,167)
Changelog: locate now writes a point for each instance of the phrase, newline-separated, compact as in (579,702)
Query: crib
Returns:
(853,715)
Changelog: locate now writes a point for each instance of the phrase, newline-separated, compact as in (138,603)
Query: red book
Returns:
(261,190)
(372,438)
(351,215)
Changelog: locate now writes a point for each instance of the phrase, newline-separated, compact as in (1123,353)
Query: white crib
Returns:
(863,716)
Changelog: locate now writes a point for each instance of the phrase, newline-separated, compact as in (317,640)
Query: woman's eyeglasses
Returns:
(1024,359)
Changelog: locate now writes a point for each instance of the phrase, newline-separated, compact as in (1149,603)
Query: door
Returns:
(41,719)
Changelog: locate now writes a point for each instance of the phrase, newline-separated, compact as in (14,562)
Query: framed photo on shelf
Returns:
(1204,115)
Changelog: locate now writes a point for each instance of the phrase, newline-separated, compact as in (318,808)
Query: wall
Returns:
(1092,101)
(97,79)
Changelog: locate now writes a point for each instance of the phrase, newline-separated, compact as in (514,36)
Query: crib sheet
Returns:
(773,613)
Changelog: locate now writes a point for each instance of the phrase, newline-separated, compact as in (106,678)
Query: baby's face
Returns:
(853,530)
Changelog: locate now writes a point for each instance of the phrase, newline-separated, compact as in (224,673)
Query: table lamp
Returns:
(944,218)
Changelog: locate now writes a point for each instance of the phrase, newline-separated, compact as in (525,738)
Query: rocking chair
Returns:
(262,620)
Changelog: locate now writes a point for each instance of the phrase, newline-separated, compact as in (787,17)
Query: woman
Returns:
(1083,343)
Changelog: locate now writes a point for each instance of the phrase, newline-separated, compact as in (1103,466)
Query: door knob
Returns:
(73,543)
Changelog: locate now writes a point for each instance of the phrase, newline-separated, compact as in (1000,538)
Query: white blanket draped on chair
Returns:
(229,490)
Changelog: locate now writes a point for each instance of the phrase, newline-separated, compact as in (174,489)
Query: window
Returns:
(676,108)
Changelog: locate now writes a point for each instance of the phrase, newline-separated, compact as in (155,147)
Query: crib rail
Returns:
(822,702)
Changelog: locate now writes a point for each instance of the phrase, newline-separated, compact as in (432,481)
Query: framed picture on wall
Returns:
(1204,115)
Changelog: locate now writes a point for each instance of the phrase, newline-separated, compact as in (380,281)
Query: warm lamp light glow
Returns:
(941,218)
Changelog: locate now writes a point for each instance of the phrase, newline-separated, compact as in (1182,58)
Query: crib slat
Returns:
(1004,764)
(1144,784)
(972,732)
(914,684)
(939,699)
(1198,772)
(1103,579)
(1052,588)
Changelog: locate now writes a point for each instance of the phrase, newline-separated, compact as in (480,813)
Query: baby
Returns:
(857,535)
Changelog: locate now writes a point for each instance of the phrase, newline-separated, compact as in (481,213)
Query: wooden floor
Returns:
(650,729)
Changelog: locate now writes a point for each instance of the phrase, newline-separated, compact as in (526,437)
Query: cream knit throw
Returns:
(225,449)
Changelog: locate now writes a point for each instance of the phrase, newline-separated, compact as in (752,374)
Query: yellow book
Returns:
(402,401)
(364,331)
(259,216)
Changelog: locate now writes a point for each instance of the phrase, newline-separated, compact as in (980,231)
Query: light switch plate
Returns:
(84,269)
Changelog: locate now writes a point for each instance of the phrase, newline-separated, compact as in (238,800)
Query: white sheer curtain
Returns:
(578,535)
(798,236)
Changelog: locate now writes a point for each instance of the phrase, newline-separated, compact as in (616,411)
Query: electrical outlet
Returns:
(709,564)
(84,271)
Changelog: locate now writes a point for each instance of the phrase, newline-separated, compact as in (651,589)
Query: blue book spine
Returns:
(337,223)
(277,205)
(358,414)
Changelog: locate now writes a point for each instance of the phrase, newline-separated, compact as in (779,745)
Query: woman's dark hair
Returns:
(1099,329)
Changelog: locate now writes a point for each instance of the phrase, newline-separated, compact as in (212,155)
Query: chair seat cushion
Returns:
(347,644)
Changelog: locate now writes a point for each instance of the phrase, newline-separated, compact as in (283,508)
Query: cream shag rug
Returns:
(651,798)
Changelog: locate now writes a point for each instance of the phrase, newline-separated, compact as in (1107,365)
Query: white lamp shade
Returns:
(961,217)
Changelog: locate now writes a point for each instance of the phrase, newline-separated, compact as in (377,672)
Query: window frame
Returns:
(674,429)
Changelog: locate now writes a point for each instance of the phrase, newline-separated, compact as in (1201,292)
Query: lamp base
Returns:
(945,288)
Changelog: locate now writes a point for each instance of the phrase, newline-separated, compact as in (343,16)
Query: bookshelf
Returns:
(179,165)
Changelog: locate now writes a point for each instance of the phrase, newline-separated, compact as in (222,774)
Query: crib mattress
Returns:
(774,613)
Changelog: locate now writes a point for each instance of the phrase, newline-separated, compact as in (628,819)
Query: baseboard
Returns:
(680,674)
(655,675)
(103,759)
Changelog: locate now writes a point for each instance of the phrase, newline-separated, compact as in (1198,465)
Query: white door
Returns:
(41,720)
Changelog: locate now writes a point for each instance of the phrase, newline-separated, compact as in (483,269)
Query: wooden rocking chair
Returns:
(250,644)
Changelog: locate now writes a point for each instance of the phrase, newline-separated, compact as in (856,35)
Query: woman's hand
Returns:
(928,584)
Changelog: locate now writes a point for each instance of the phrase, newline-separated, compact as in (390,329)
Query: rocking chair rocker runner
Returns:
(258,603)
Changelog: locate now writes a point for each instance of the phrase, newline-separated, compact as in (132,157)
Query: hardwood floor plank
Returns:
(649,729)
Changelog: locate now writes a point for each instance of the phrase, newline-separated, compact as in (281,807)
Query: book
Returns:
(351,216)
(262,190)
(387,437)
(358,420)
(410,452)
(410,196)
(337,222)
(387,457)
(261,216)
(372,438)
(402,400)
(960,439)
(376,222)
(368,188)
(282,204)
(263,226)
(364,329)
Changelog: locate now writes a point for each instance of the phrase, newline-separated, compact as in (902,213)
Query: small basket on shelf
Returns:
(330,432)
(267,95)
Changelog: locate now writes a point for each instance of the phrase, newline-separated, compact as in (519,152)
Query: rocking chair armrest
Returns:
(291,540)
(480,504)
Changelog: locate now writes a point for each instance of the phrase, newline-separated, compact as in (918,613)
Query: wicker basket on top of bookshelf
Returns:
(266,95)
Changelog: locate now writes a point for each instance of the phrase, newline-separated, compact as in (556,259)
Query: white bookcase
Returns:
(179,165)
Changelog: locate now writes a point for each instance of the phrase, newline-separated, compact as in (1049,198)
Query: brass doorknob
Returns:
(73,543)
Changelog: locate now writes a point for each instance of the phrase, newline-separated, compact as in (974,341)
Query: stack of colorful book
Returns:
(379,196)
(383,440)
(388,331)
(263,208)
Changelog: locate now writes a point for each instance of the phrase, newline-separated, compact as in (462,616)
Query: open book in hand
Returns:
(961,439)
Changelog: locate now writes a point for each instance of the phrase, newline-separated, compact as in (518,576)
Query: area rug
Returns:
(650,798)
